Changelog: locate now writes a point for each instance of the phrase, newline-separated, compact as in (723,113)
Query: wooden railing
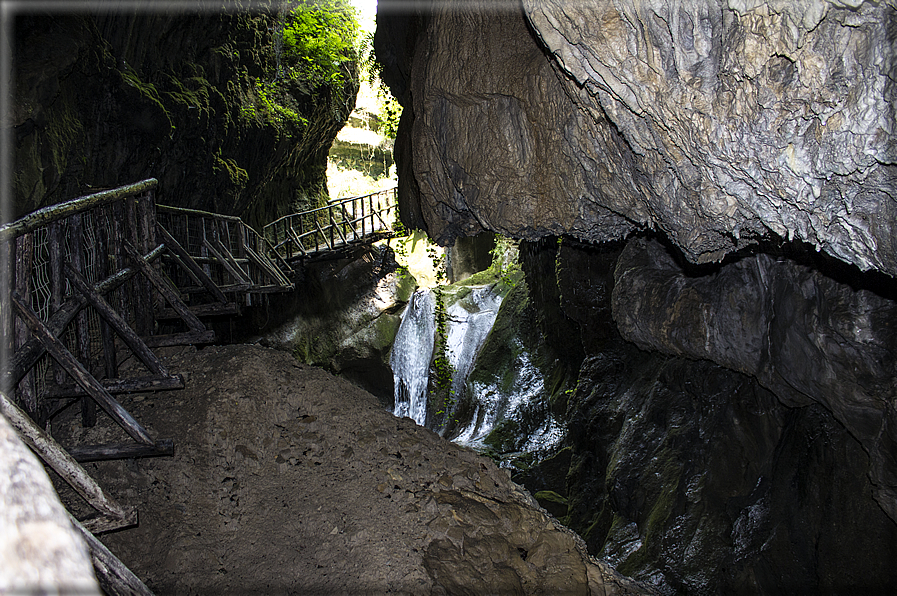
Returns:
(75,279)
(340,223)
(91,280)
(214,255)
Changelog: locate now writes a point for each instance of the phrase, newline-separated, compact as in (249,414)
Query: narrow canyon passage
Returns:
(679,338)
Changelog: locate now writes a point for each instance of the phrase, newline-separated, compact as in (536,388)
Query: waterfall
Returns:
(469,322)
(411,354)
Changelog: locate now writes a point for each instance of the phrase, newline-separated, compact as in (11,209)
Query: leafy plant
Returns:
(390,110)
(317,37)
(504,260)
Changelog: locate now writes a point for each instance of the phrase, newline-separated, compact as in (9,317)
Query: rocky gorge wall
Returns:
(196,99)
(723,178)
(676,470)
(716,123)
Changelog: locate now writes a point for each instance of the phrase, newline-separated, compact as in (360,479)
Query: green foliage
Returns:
(318,36)
(438,258)
(442,366)
(390,110)
(237,175)
(273,104)
(504,261)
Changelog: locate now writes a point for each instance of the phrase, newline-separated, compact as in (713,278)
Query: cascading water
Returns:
(469,322)
(411,355)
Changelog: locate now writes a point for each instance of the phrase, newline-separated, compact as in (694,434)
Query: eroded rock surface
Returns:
(693,476)
(805,336)
(289,480)
(715,123)
(192,99)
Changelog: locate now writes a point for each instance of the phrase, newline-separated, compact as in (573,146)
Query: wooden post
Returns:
(165,290)
(125,304)
(143,300)
(24,258)
(118,323)
(81,375)
(57,458)
(27,356)
(7,346)
(190,265)
(146,241)
(56,282)
(362,216)
(113,576)
(88,406)
(110,360)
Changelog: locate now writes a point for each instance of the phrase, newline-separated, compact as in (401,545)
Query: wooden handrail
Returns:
(42,217)
(283,236)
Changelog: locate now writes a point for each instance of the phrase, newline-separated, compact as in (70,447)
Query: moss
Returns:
(405,287)
(552,502)
(193,93)
(237,175)
(147,93)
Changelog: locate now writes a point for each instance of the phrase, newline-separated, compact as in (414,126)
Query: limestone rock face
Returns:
(805,336)
(344,316)
(714,123)
(694,477)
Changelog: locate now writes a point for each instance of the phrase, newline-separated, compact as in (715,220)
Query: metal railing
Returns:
(340,223)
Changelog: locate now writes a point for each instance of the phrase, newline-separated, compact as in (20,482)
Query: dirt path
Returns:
(286,479)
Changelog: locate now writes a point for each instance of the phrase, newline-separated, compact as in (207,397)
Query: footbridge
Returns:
(94,287)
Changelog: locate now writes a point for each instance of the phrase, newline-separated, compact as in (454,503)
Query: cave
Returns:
(669,322)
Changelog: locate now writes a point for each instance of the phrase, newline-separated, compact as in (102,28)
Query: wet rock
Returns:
(805,336)
(468,256)
(697,480)
(343,316)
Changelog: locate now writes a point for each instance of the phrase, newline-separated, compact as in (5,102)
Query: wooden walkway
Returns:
(340,224)
(91,282)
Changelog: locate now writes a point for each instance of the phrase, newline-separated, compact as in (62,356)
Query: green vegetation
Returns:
(390,110)
(318,37)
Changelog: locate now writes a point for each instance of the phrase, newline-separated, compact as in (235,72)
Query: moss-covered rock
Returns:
(200,101)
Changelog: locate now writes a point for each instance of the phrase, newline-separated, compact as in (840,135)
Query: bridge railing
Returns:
(338,224)
(39,256)
(228,253)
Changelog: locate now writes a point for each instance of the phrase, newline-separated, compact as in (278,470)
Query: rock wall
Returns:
(695,477)
(111,98)
(803,335)
(717,124)
(343,317)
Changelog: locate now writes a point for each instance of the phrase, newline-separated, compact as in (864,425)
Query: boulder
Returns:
(805,336)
